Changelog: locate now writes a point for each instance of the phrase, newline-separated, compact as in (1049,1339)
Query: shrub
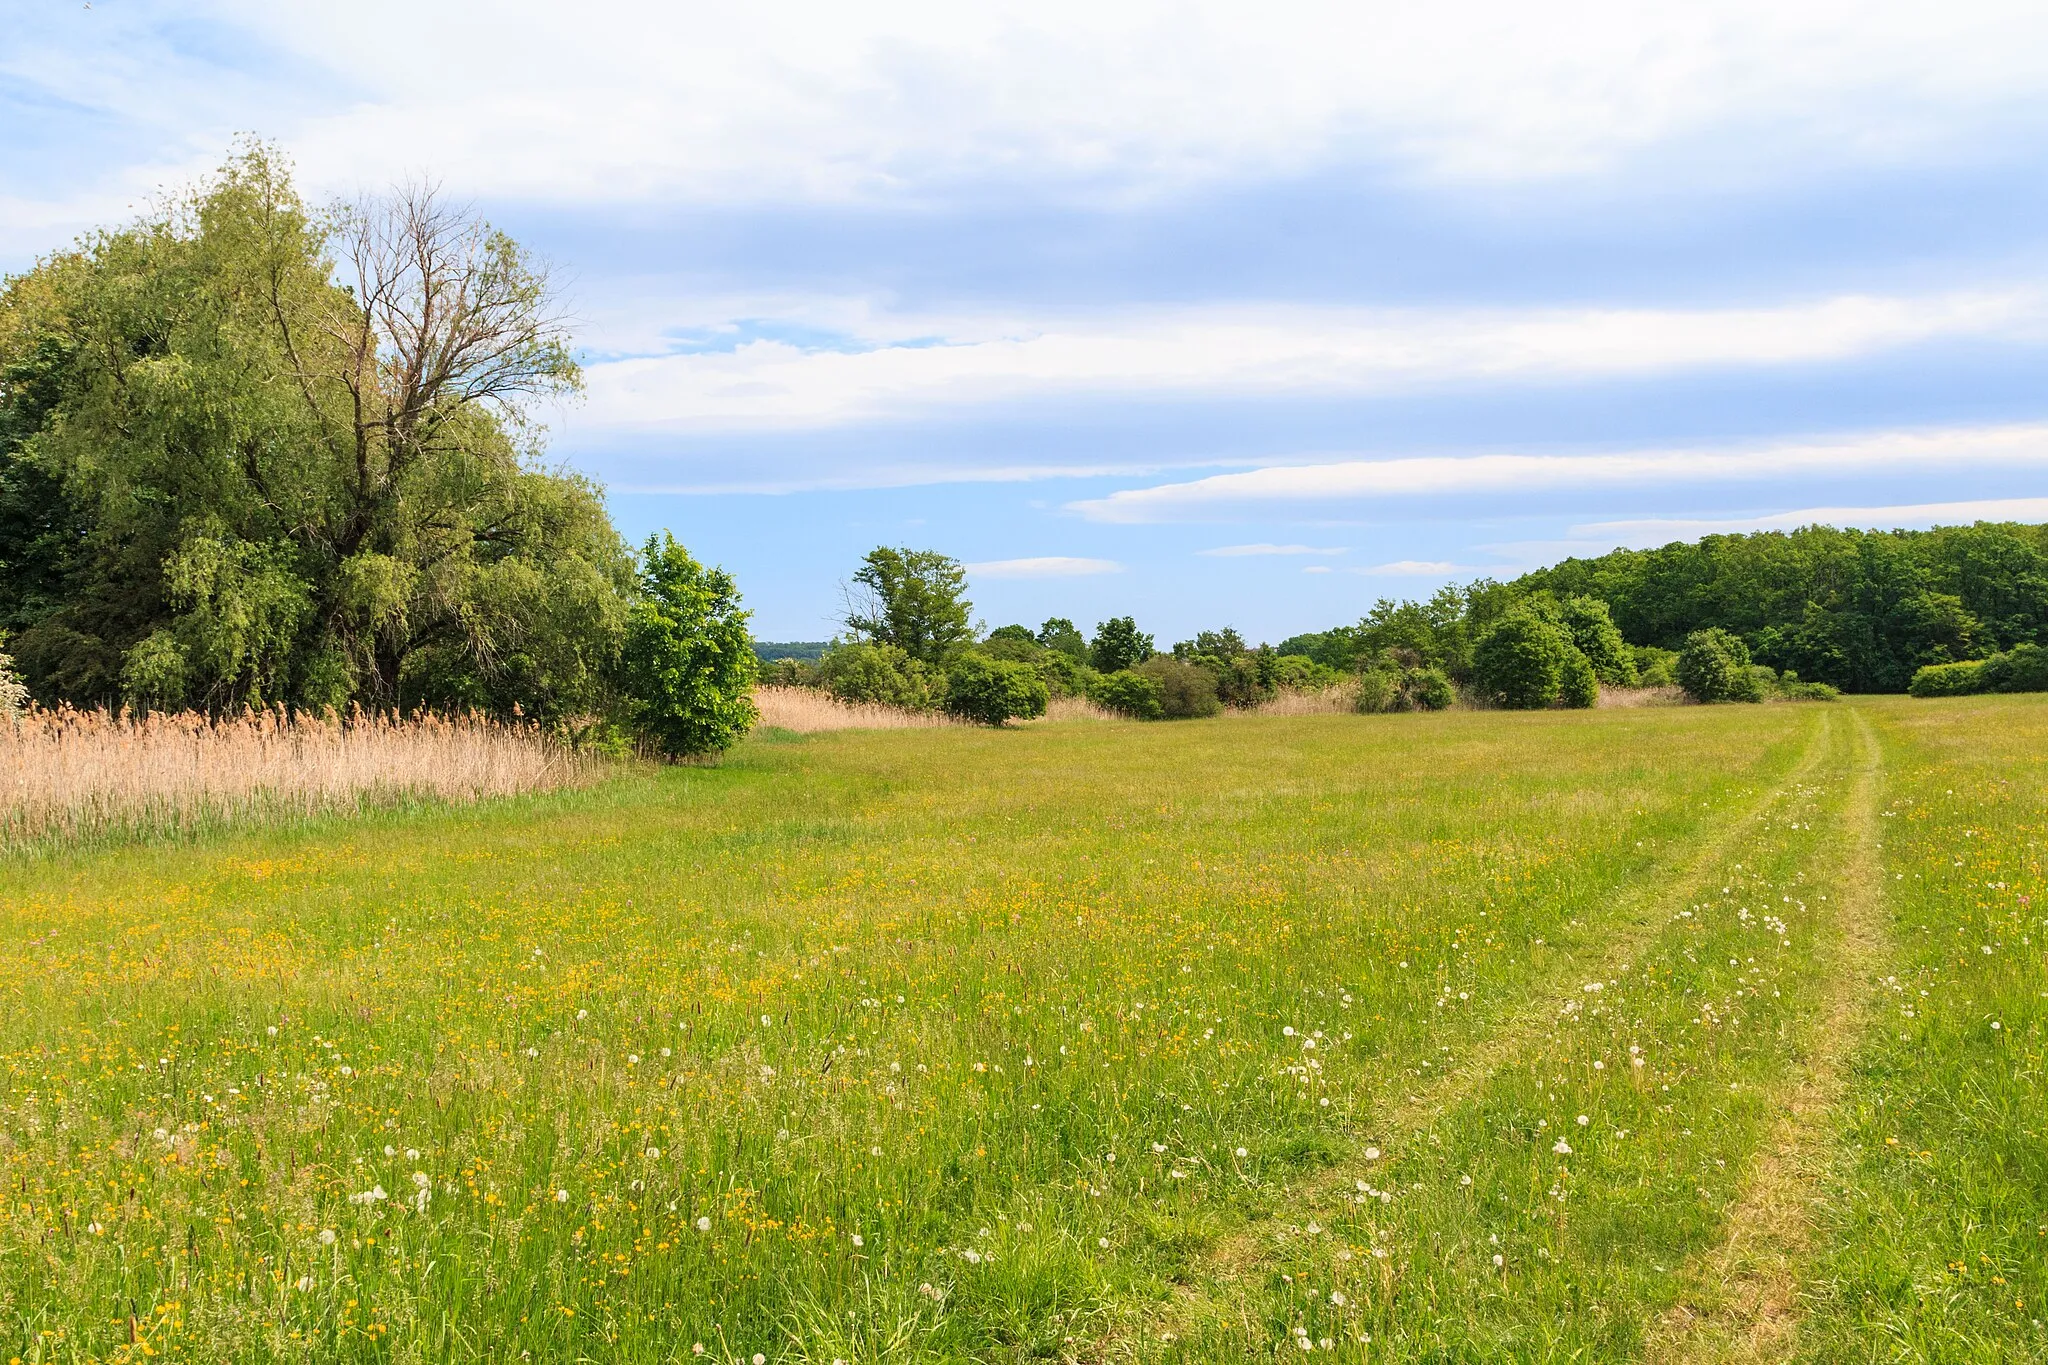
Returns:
(1520,660)
(1656,667)
(1597,637)
(1186,691)
(991,691)
(1947,680)
(1128,694)
(882,674)
(2023,668)
(1578,685)
(1390,687)
(1714,666)
(1065,676)
(1757,683)
(1378,691)
(1429,689)
(1119,645)
(1303,674)
(688,664)
(788,673)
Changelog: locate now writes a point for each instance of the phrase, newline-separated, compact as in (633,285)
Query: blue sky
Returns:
(1213,314)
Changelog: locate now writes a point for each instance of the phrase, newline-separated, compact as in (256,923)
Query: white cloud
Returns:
(1044,566)
(629,101)
(1412,568)
(1364,481)
(1661,530)
(1258,351)
(1317,568)
(1241,551)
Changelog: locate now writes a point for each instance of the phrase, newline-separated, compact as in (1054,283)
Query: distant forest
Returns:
(1860,610)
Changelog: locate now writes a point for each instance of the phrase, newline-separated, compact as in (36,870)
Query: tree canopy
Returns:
(255,454)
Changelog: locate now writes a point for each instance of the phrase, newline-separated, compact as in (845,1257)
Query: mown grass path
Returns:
(1639,912)
(1742,1299)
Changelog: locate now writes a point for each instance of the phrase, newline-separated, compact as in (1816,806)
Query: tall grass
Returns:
(71,775)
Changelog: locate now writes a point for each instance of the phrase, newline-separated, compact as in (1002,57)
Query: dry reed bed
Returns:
(809,711)
(77,774)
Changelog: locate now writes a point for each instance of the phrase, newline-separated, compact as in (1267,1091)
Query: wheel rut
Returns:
(1742,1297)
(1656,896)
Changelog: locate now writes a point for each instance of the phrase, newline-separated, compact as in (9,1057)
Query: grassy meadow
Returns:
(1657,1033)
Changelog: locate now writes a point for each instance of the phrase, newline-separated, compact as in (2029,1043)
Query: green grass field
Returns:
(1663,1034)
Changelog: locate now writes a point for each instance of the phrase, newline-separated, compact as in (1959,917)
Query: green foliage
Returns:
(1300,673)
(1388,684)
(1429,689)
(688,662)
(227,480)
(789,672)
(1062,637)
(1129,694)
(1243,676)
(1593,630)
(1119,645)
(991,691)
(1519,661)
(1714,666)
(881,674)
(911,600)
(1860,610)
(1578,686)
(2023,668)
(1065,676)
(1186,691)
(1655,667)
(1014,644)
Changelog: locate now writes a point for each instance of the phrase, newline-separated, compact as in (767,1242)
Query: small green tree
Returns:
(688,663)
(1594,632)
(1128,694)
(880,674)
(915,600)
(991,691)
(1714,666)
(1578,686)
(1429,689)
(1186,691)
(1519,661)
(1119,645)
(1064,637)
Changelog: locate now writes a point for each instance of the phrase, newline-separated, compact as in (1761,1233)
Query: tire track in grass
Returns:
(1741,1301)
(1656,895)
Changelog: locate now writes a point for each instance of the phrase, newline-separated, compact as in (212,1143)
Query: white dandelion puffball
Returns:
(703,1225)
(561,1196)
(1562,1148)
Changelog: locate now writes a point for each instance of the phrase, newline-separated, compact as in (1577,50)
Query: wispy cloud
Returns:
(1414,568)
(1043,566)
(1658,530)
(1316,487)
(1248,351)
(1247,551)
(814,101)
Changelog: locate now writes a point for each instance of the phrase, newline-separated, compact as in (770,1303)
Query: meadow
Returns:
(1663,1033)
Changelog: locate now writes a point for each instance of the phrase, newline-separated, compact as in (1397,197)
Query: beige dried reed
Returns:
(809,711)
(1325,701)
(73,775)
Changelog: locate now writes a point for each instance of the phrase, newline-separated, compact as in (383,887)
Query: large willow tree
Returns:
(250,454)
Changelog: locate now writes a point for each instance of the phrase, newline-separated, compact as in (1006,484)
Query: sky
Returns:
(1213,314)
